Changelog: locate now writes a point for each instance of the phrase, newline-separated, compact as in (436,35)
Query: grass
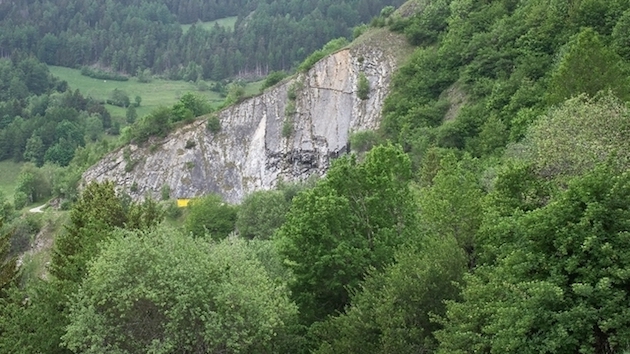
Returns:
(154,94)
(9,172)
(227,23)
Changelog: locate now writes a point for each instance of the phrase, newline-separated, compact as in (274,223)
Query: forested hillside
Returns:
(490,213)
(129,37)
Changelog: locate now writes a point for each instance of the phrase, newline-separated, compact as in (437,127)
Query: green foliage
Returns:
(165,192)
(451,206)
(359,30)
(392,311)
(163,291)
(350,221)
(93,217)
(103,75)
(557,283)
(261,213)
(157,123)
(32,320)
(192,41)
(363,87)
(236,94)
(119,98)
(287,127)
(190,106)
(213,124)
(363,141)
(34,185)
(144,76)
(330,47)
(8,267)
(574,137)
(425,27)
(589,67)
(273,78)
(210,217)
(131,114)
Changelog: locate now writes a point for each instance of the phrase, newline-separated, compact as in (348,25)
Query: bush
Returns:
(172,210)
(287,128)
(359,30)
(119,98)
(363,87)
(103,75)
(364,140)
(210,216)
(214,124)
(190,144)
(317,55)
(272,79)
(165,192)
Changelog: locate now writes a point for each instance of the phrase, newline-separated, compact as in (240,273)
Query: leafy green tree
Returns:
(558,282)
(34,183)
(97,212)
(163,291)
(261,213)
(452,205)
(8,266)
(93,127)
(93,217)
(210,216)
(32,320)
(350,221)
(391,311)
(131,114)
(583,131)
(588,66)
(119,97)
(35,150)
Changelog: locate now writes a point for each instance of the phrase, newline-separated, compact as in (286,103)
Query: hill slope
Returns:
(288,133)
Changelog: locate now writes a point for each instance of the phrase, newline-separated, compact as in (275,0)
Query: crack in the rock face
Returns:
(331,89)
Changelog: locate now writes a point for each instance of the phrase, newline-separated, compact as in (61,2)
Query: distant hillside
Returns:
(131,37)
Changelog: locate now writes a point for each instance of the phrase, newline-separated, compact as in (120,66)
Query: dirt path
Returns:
(37,209)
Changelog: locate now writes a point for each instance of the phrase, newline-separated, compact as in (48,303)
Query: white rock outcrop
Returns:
(251,152)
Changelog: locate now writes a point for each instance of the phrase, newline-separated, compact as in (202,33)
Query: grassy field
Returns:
(154,94)
(9,171)
(227,23)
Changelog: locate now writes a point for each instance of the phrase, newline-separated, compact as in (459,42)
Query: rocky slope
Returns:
(289,132)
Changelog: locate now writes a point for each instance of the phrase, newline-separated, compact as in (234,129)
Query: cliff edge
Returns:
(289,132)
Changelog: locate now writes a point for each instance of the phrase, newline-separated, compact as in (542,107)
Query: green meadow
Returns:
(154,94)
(9,171)
(227,23)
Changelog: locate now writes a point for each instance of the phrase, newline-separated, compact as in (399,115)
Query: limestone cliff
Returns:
(289,132)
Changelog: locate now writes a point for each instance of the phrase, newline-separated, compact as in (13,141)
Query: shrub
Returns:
(214,124)
(119,98)
(103,75)
(364,140)
(287,128)
(272,79)
(190,144)
(165,192)
(363,87)
(317,55)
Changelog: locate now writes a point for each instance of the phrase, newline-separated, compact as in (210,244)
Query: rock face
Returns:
(289,133)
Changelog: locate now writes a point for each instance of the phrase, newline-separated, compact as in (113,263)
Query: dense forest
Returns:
(133,36)
(490,213)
